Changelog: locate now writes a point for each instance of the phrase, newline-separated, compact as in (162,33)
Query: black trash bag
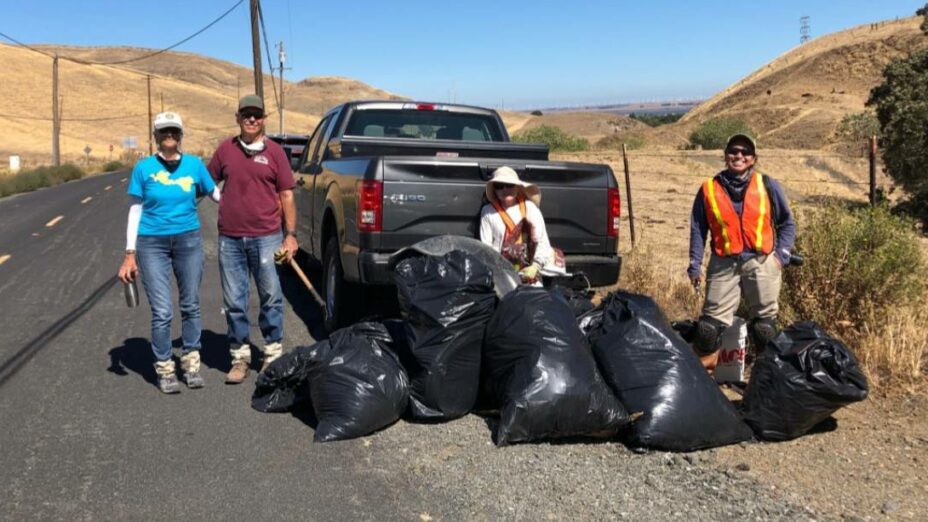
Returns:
(801,378)
(447,301)
(505,277)
(579,301)
(358,386)
(654,372)
(354,382)
(686,329)
(284,384)
(542,374)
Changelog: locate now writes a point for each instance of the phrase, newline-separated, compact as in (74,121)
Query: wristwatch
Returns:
(291,233)
(130,251)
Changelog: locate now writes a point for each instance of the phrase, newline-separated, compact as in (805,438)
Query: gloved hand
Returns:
(529,274)
(282,256)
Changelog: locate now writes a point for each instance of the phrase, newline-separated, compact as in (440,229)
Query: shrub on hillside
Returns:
(32,179)
(714,133)
(632,141)
(555,138)
(537,113)
(863,277)
(856,128)
(656,120)
(901,105)
(113,166)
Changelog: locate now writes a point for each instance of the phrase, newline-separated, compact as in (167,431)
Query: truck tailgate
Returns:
(426,196)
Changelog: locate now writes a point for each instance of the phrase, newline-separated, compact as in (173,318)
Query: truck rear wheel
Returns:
(338,292)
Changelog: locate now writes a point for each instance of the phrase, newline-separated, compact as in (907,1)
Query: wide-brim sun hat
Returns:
(167,120)
(508,176)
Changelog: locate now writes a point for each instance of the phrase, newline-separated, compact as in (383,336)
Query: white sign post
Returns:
(14,163)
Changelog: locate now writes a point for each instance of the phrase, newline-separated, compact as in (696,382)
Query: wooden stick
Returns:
(309,286)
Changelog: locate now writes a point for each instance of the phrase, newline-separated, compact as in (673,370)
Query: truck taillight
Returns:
(370,206)
(425,106)
(614,213)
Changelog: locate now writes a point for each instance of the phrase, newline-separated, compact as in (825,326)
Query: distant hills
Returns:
(103,105)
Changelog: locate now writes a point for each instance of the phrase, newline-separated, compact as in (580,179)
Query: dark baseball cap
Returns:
(251,100)
(742,137)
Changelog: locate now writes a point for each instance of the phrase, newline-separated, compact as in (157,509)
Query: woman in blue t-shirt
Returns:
(163,236)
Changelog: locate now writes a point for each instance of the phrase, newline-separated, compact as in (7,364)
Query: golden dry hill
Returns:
(102,105)
(797,100)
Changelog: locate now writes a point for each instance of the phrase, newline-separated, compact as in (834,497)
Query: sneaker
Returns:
(194,380)
(238,372)
(168,384)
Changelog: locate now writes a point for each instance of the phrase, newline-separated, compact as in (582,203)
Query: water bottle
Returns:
(132,293)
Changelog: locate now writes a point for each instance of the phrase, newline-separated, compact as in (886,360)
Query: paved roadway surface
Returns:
(86,434)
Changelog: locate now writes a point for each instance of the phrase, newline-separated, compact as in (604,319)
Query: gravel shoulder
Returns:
(869,468)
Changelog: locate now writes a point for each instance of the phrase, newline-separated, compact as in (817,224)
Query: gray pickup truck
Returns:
(378,176)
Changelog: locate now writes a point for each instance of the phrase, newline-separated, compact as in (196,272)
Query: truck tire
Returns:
(338,292)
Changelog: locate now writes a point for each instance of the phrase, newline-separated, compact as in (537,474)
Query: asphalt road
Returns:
(86,434)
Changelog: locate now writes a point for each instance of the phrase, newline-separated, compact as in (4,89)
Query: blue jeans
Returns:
(240,257)
(157,257)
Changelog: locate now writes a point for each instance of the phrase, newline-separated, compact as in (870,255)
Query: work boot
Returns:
(194,380)
(190,364)
(238,373)
(272,352)
(167,379)
(168,384)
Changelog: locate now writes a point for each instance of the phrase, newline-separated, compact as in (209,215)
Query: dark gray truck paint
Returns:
(436,186)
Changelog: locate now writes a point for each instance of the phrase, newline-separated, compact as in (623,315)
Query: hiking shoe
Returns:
(238,372)
(194,380)
(168,384)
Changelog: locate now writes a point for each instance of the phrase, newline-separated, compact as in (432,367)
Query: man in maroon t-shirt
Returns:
(257,192)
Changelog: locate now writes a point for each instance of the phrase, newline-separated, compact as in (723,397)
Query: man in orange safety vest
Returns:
(747,217)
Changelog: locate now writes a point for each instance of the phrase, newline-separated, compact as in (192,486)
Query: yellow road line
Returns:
(85,200)
(123,180)
(4,258)
(53,222)
(108,187)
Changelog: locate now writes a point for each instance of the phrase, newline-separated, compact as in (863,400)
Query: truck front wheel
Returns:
(337,290)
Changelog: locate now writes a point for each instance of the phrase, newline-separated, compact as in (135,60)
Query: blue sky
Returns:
(512,53)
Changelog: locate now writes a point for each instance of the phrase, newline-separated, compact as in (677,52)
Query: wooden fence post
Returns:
(628,195)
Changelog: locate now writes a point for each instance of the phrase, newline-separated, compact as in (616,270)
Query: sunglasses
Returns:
(252,114)
(174,133)
(503,186)
(734,151)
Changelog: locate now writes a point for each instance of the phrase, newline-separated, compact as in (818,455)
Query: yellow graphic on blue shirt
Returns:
(162,177)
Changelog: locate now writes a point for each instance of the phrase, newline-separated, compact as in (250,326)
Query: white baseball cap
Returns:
(168,120)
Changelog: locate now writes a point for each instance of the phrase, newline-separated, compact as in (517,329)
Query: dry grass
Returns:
(895,352)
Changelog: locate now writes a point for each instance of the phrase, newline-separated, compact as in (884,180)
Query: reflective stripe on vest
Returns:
(505,216)
(730,232)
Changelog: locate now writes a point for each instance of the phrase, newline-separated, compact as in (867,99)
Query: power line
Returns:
(17,117)
(143,57)
(17,42)
(128,60)
(268,52)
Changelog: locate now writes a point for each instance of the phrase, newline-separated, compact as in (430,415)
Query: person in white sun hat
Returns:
(163,232)
(511,222)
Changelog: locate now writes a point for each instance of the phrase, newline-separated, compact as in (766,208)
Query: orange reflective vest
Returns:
(510,225)
(731,234)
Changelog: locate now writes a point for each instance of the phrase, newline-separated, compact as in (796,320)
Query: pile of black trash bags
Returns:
(549,365)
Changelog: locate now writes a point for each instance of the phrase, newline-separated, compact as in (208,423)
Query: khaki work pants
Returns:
(728,279)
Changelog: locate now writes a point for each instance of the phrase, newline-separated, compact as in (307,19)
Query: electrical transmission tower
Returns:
(804,30)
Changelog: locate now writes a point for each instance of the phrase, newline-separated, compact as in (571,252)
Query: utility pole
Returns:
(282,57)
(56,120)
(256,49)
(161,94)
(151,149)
